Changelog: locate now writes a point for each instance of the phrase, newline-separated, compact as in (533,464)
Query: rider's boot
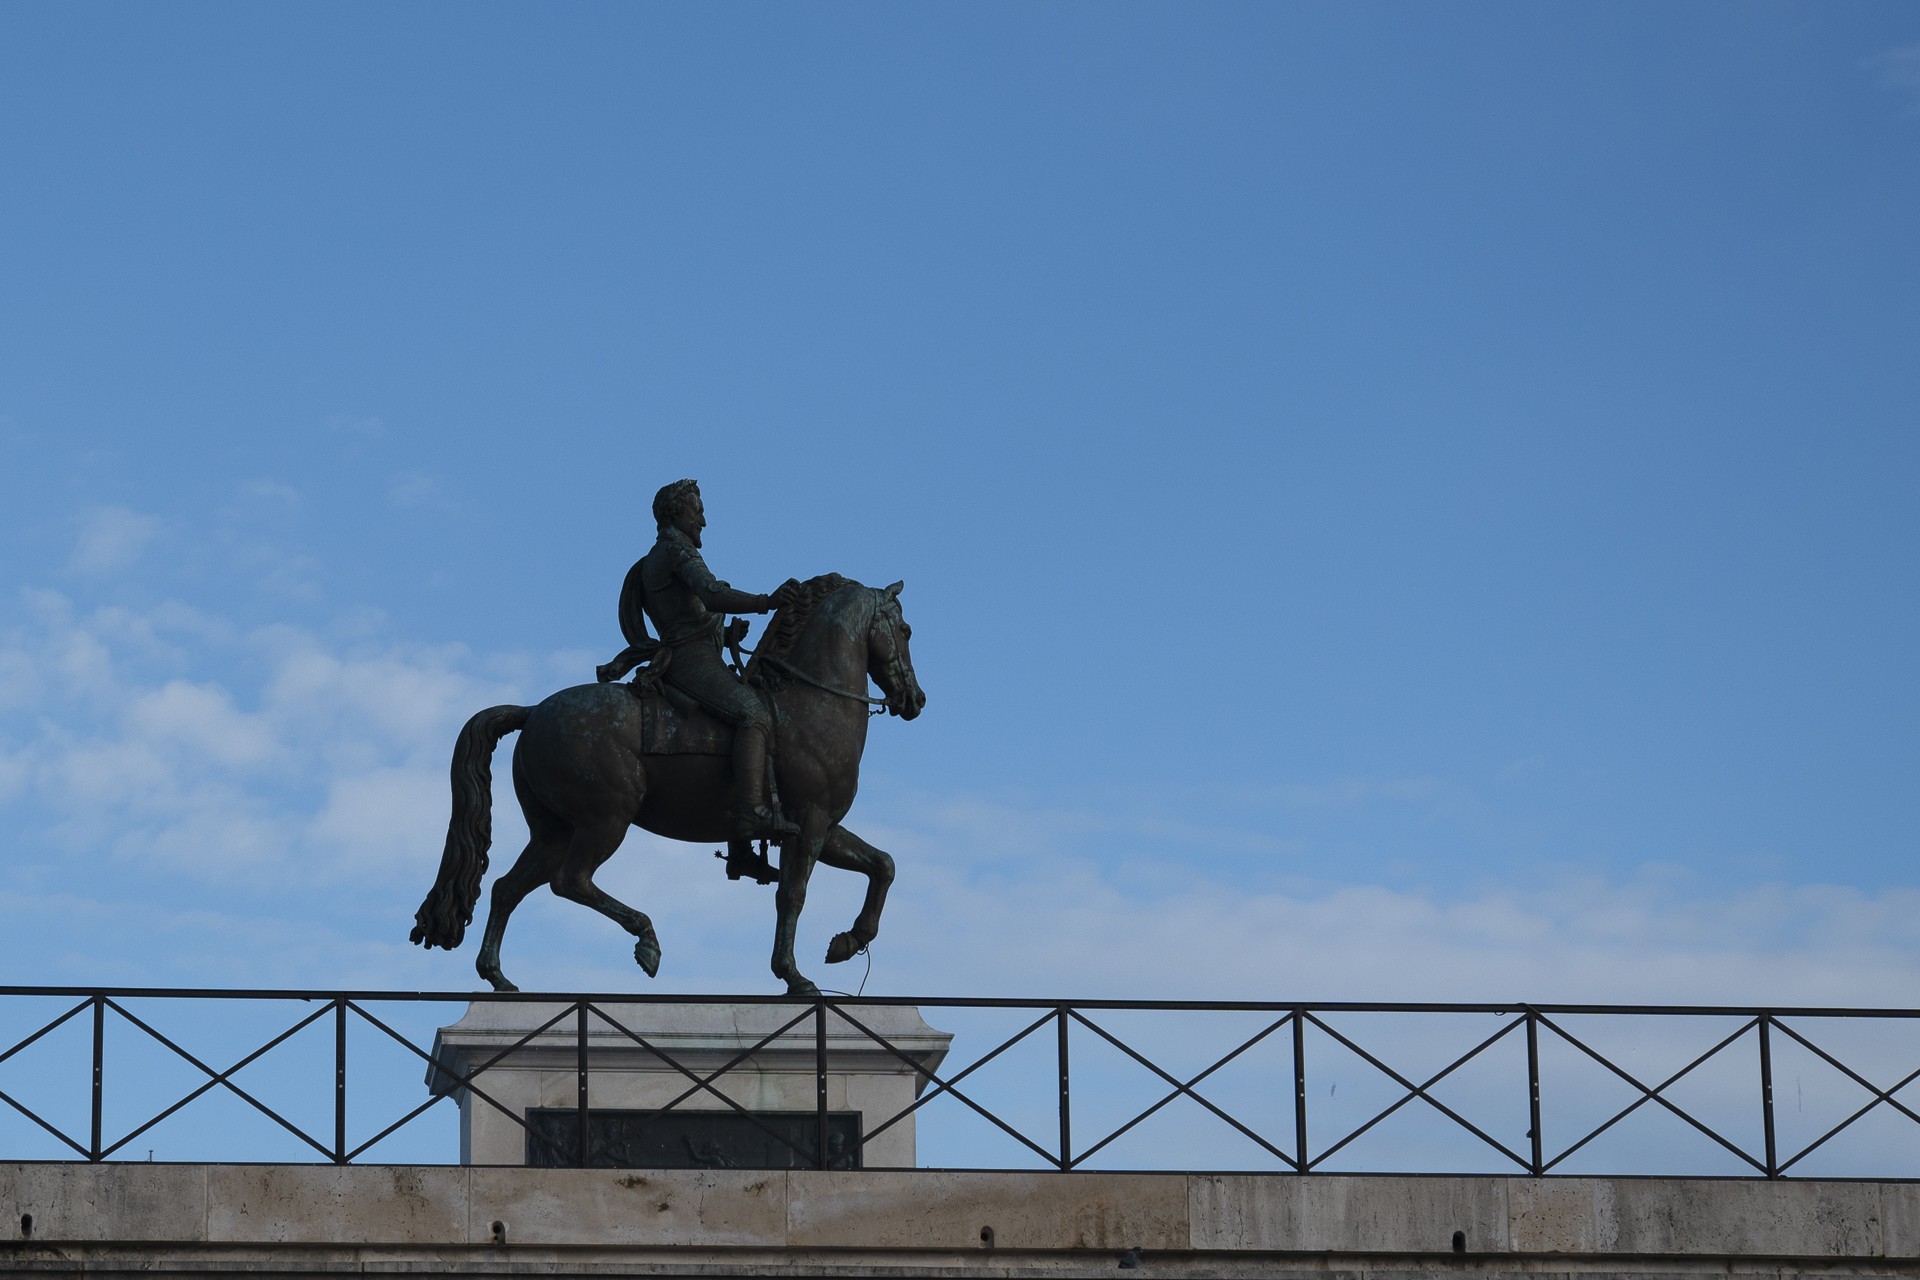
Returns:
(744,860)
(753,817)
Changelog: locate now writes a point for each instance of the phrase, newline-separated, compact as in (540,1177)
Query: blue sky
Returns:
(1396,501)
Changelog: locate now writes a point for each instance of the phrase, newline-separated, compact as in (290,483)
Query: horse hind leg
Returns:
(534,867)
(849,852)
(590,846)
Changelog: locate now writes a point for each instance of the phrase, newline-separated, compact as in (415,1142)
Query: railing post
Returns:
(1766,1093)
(99,1071)
(340,1080)
(580,1064)
(820,1080)
(1066,1094)
(1537,1165)
(1300,1090)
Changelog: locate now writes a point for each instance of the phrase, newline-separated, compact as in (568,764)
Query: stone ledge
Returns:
(318,1219)
(177,1261)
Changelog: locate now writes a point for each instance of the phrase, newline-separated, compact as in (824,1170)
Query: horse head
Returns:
(836,634)
(889,662)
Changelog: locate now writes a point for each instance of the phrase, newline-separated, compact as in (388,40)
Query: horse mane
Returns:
(783,629)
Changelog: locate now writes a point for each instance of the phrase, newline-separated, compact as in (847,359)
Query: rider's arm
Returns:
(717,595)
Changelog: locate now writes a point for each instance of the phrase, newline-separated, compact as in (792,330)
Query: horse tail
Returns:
(443,918)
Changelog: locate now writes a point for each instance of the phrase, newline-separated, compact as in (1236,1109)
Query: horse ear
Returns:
(897,588)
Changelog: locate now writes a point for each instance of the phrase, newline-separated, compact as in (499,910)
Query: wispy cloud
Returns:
(418,491)
(1341,793)
(366,425)
(1644,940)
(274,497)
(1060,923)
(1898,71)
(322,765)
(315,767)
(1076,919)
(111,539)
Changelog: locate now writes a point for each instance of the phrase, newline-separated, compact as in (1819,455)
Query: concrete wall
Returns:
(288,1219)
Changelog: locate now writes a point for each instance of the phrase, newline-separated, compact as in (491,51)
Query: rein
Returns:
(787,668)
(880,703)
(801,676)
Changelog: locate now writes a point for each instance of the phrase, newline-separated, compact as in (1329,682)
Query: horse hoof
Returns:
(500,983)
(843,947)
(801,987)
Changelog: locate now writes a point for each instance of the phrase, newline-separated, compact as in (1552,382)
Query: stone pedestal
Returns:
(629,1078)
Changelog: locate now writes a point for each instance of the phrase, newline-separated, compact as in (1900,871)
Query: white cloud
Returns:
(326,768)
(1066,928)
(262,507)
(287,945)
(275,495)
(1899,70)
(418,491)
(323,766)
(281,573)
(1058,924)
(217,832)
(111,539)
(19,680)
(1345,793)
(202,718)
(413,699)
(92,776)
(13,774)
(383,821)
(359,424)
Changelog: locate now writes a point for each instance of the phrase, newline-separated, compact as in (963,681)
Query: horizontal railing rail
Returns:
(1282,1120)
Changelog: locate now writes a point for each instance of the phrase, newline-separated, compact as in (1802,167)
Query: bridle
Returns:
(893,661)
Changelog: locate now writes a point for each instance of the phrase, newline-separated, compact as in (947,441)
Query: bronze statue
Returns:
(663,753)
(672,585)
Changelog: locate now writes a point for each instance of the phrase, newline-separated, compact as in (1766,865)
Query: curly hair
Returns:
(667,502)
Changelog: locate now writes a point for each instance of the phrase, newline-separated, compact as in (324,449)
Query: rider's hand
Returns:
(785,594)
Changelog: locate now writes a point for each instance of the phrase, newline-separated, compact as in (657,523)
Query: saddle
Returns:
(672,724)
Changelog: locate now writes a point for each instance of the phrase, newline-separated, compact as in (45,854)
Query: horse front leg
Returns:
(797,857)
(849,852)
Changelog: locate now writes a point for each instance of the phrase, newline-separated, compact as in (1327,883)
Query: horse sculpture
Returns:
(583,776)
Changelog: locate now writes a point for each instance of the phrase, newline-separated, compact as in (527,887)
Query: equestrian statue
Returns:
(689,749)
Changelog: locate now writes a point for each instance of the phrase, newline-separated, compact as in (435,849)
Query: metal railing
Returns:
(1281,1118)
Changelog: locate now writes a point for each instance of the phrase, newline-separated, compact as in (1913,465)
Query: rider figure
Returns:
(688,605)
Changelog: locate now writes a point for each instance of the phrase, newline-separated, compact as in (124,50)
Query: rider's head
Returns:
(678,505)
